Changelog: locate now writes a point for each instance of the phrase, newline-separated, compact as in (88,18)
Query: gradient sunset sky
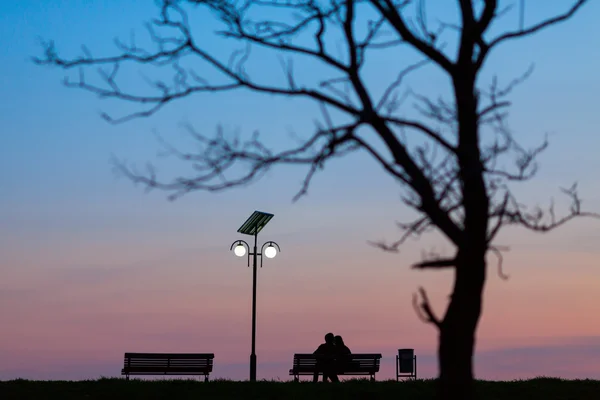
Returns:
(92,267)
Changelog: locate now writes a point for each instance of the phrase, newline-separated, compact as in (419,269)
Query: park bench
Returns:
(168,364)
(354,364)
(406,364)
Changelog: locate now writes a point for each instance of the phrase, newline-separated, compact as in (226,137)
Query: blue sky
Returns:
(63,212)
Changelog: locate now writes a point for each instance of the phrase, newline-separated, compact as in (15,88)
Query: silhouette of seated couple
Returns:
(333,351)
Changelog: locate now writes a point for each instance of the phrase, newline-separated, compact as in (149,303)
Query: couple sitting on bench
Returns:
(333,360)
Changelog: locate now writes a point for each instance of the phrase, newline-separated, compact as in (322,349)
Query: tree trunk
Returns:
(458,328)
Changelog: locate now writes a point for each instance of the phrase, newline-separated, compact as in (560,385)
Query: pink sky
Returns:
(65,317)
(90,267)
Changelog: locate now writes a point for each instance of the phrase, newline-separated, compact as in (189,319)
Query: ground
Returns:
(116,389)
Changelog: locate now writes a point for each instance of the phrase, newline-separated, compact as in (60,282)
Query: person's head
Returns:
(338,340)
(329,338)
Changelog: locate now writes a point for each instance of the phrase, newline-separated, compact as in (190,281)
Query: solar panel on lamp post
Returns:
(252,227)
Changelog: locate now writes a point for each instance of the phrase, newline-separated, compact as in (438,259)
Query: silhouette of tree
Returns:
(455,178)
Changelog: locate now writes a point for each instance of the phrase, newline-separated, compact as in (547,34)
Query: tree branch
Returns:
(424,311)
(486,47)
(390,12)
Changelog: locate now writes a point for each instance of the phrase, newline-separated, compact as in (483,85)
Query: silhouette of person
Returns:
(341,354)
(326,364)
(340,346)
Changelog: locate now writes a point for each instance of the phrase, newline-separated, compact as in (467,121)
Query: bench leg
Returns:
(206,378)
(127,377)
(373,378)
(415,368)
(296,378)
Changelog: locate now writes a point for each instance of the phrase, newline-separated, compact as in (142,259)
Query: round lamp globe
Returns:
(270,251)
(240,250)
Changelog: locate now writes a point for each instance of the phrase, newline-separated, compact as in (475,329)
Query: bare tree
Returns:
(455,177)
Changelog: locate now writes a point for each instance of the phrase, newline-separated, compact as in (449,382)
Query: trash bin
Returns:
(406,360)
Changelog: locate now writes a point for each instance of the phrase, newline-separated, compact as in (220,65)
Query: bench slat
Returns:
(180,356)
(172,370)
(172,363)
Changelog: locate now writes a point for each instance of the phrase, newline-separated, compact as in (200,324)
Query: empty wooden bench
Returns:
(353,364)
(168,364)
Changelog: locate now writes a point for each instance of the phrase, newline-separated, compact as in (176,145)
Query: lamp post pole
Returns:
(253,226)
(253,352)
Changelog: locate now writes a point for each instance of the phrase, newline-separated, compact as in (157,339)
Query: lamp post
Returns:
(252,226)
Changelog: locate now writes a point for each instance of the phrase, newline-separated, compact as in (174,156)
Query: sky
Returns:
(92,266)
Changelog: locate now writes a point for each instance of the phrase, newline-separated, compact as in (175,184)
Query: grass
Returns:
(117,389)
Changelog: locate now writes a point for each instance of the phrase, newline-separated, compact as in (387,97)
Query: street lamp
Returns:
(252,226)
